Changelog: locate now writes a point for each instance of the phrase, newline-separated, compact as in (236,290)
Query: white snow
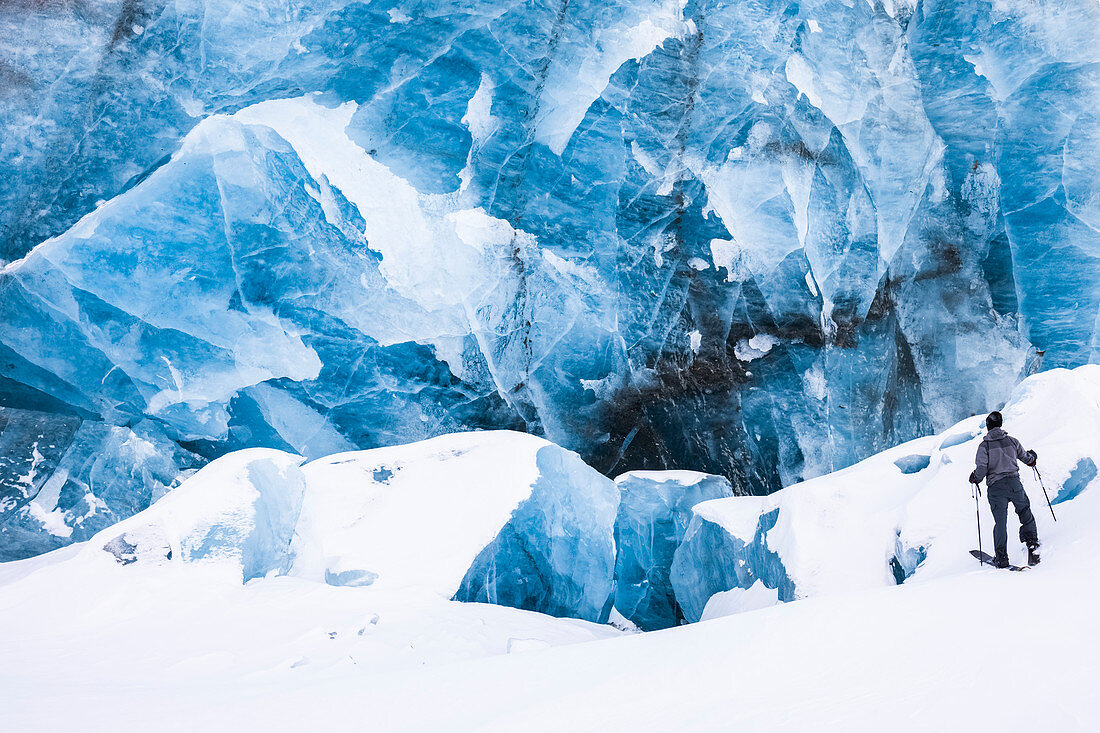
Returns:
(36,459)
(53,520)
(738,515)
(416,515)
(729,254)
(93,645)
(740,600)
(755,347)
(696,341)
(479,112)
(684,478)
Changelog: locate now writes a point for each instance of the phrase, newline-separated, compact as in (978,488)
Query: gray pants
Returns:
(1003,491)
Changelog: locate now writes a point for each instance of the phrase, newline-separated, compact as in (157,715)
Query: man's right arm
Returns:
(981,463)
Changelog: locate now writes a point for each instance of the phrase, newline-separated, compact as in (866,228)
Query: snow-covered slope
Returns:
(906,513)
(180,643)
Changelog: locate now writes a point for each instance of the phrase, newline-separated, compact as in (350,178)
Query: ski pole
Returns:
(1045,495)
(978,516)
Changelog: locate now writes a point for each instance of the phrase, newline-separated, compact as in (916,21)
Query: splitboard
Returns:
(987,559)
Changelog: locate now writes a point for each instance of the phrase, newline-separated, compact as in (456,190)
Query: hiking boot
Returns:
(1001,561)
(1032,554)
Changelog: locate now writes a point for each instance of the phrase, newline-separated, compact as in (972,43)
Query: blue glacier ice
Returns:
(757,239)
(654,512)
(64,478)
(556,554)
(711,560)
(1079,478)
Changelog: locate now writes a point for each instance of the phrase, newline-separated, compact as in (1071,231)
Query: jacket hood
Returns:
(996,434)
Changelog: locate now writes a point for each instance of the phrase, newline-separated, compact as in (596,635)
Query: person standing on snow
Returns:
(996,461)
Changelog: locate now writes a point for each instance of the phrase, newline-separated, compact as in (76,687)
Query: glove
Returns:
(1033,456)
(974,478)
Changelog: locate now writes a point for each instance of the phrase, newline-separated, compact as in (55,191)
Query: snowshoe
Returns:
(987,559)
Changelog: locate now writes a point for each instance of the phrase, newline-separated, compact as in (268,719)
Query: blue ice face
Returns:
(761,240)
(556,554)
(711,560)
(653,518)
(64,478)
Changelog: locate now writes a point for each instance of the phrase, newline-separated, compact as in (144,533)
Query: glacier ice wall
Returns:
(759,239)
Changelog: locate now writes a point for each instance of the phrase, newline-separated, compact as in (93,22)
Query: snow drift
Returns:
(498,517)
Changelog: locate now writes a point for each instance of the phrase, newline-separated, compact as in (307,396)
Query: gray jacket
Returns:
(997,456)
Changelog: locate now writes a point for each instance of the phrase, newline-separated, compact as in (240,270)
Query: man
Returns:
(996,462)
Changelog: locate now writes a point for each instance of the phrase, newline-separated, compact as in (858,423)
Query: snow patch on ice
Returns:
(754,348)
(479,112)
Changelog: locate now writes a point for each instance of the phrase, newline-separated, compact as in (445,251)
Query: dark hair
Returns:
(994,420)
